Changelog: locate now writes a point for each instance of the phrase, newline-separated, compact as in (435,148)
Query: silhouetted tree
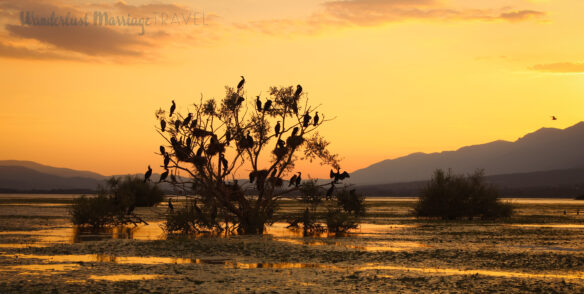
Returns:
(235,138)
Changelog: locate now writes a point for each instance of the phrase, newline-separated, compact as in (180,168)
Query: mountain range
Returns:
(543,150)
(548,162)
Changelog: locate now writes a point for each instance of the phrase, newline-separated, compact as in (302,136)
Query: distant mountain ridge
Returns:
(56,171)
(543,150)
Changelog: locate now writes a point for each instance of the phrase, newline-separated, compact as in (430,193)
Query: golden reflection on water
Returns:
(35,269)
(559,226)
(446,271)
(125,277)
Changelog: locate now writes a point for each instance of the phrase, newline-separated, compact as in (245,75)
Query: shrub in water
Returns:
(451,196)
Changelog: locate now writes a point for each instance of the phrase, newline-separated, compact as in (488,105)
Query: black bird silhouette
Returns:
(554,118)
(267,105)
(292,180)
(240,85)
(251,177)
(177,124)
(194,124)
(166,160)
(344,175)
(258,103)
(281,143)
(295,107)
(200,151)
(277,129)
(332,174)
(239,101)
(298,91)
(189,142)
(294,131)
(162,125)
(187,119)
(227,136)
(298,179)
(172,108)
(306,119)
(147,174)
(163,176)
(162,150)
(316,119)
(249,139)
(223,162)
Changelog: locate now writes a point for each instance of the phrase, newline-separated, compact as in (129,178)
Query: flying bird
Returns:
(162,125)
(259,103)
(163,176)
(147,174)
(277,129)
(316,119)
(172,108)
(240,85)
(554,118)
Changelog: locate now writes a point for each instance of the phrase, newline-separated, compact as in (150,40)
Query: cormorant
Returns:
(239,101)
(277,129)
(281,143)
(267,105)
(251,177)
(306,119)
(148,174)
(298,91)
(162,150)
(332,174)
(162,125)
(189,142)
(187,119)
(259,103)
(249,139)
(194,124)
(166,160)
(163,176)
(177,124)
(172,108)
(294,131)
(298,179)
(292,180)
(316,119)
(223,162)
(240,85)
(344,175)
(227,136)
(295,107)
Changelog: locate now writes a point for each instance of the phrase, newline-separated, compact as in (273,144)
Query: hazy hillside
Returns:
(56,171)
(545,149)
(22,179)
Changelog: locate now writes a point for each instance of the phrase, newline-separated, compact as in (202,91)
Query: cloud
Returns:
(560,67)
(521,15)
(19,52)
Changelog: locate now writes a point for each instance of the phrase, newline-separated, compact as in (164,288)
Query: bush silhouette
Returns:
(449,196)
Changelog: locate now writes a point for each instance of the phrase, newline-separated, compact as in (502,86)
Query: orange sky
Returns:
(400,76)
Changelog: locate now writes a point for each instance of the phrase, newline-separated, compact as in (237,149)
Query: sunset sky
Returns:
(400,76)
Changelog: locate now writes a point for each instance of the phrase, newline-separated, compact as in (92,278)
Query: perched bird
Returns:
(177,124)
(200,151)
(239,101)
(332,174)
(162,125)
(194,124)
(148,174)
(258,103)
(249,139)
(294,131)
(223,162)
(292,180)
(251,176)
(344,175)
(166,160)
(227,136)
(189,142)
(277,129)
(298,91)
(187,119)
(163,176)
(554,118)
(306,119)
(295,107)
(267,105)
(281,143)
(316,119)
(162,150)
(298,179)
(172,108)
(240,85)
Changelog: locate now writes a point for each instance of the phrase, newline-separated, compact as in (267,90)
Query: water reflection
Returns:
(35,269)
(559,226)
(125,277)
